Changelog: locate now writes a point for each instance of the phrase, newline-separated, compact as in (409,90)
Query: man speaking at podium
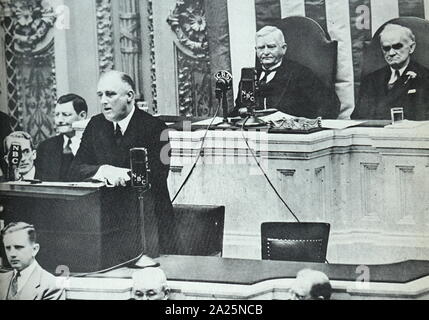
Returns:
(104,152)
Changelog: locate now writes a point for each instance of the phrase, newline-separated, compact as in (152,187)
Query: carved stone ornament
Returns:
(33,22)
(188,21)
(105,35)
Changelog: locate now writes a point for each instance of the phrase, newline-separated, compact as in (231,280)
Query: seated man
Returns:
(286,85)
(402,83)
(150,284)
(55,155)
(27,281)
(311,285)
(26,169)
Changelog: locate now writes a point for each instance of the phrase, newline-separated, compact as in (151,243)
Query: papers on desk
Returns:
(94,185)
(275,116)
(340,124)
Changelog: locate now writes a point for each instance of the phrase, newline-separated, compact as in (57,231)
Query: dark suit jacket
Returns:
(5,130)
(49,159)
(40,286)
(297,91)
(375,100)
(98,148)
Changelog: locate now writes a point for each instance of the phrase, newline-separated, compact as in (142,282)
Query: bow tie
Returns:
(266,74)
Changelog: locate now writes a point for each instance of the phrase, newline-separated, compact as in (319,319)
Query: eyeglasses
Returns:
(396,46)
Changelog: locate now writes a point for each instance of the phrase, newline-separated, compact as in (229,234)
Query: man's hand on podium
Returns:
(113,176)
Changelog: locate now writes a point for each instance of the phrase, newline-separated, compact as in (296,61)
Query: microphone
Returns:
(247,87)
(14,157)
(223,80)
(139,168)
(223,84)
(248,92)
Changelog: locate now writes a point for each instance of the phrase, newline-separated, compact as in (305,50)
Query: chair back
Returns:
(292,241)
(199,229)
(309,45)
(372,56)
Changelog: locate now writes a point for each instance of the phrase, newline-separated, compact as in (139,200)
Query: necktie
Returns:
(118,135)
(67,149)
(397,76)
(13,287)
(266,74)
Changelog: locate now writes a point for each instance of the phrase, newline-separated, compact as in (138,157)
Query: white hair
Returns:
(396,28)
(271,30)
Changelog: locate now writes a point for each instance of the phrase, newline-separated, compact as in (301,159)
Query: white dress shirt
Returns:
(25,274)
(393,77)
(125,122)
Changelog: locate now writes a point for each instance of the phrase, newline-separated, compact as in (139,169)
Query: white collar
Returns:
(126,121)
(401,71)
(273,67)
(30,174)
(25,274)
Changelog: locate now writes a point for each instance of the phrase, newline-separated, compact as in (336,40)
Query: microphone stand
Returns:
(222,100)
(144,261)
(140,182)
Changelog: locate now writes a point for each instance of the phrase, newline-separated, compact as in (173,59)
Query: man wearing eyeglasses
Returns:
(149,284)
(402,83)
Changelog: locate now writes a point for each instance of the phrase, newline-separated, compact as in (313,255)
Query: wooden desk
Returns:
(80,229)
(369,183)
(220,278)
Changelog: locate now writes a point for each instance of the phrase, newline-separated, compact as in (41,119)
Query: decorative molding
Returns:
(33,22)
(30,65)
(152,57)
(105,39)
(320,176)
(405,192)
(369,193)
(287,172)
(176,169)
(130,43)
(188,22)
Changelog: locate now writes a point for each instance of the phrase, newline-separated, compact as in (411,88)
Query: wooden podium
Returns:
(83,227)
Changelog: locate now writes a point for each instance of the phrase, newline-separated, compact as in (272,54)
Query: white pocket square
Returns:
(412,91)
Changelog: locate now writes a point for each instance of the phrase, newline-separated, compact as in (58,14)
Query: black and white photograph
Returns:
(214,150)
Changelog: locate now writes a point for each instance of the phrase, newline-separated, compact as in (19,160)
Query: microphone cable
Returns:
(200,152)
(267,178)
(264,173)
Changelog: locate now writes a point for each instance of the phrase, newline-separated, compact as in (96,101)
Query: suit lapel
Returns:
(4,284)
(29,291)
(283,76)
(56,155)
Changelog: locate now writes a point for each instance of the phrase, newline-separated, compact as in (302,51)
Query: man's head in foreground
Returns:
(150,284)
(19,240)
(311,285)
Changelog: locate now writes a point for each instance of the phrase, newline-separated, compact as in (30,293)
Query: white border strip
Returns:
(383,11)
(292,8)
(338,22)
(242,29)
(426,8)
